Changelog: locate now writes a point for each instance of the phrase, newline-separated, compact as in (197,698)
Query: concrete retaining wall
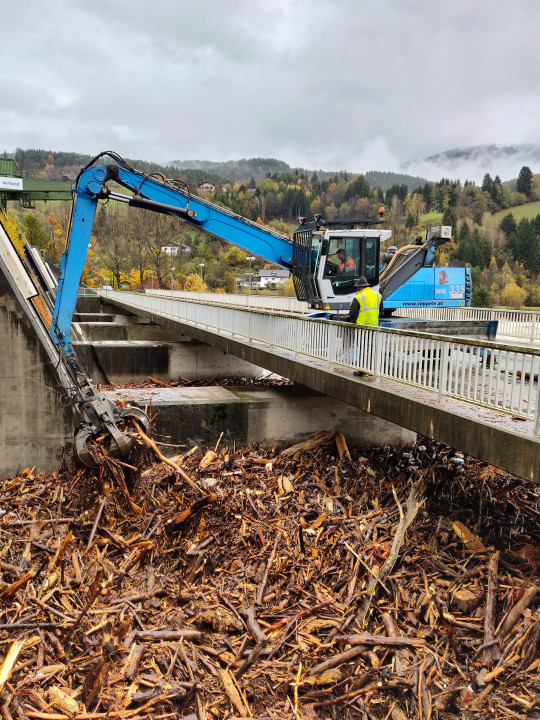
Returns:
(33,424)
(283,415)
(120,362)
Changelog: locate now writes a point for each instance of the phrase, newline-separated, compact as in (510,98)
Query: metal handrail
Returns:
(494,375)
(523,325)
(279,303)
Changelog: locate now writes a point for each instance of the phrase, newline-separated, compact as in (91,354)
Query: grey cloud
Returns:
(318,83)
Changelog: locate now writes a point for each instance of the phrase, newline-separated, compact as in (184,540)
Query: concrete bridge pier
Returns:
(34,425)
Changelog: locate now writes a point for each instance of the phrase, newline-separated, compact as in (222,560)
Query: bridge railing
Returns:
(277,303)
(523,325)
(501,377)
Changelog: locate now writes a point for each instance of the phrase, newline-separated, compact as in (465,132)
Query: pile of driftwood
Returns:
(268,380)
(316,582)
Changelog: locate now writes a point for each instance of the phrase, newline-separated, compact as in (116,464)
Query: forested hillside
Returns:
(503,250)
(243,171)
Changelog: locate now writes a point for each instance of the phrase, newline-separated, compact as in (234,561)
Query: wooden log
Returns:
(414,503)
(313,442)
(402,655)
(491,652)
(232,692)
(513,615)
(365,639)
(133,660)
(9,662)
(338,659)
(158,635)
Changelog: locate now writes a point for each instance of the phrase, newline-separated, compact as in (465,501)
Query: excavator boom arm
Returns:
(160,196)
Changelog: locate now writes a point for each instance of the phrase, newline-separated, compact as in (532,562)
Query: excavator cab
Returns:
(324,276)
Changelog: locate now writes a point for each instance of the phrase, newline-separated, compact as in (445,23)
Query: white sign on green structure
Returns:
(10,183)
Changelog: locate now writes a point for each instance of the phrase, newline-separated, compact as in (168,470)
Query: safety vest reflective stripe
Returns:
(369,302)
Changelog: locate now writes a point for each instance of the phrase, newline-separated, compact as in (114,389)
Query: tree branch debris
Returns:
(317,582)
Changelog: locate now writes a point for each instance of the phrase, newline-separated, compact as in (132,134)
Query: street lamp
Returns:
(201,265)
(172,278)
(250,258)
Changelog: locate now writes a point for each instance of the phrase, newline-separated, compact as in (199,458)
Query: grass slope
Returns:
(529,211)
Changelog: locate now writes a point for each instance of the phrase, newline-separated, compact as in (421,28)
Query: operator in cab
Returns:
(346,263)
(366,304)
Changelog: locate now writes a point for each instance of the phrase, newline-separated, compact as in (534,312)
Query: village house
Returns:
(207,185)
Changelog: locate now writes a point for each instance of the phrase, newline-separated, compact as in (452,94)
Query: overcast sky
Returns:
(337,84)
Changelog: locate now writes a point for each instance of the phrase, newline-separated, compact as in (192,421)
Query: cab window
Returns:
(372,260)
(343,268)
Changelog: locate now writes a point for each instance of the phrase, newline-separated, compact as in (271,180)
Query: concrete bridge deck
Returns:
(486,433)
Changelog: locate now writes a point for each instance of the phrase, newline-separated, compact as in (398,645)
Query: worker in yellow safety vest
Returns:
(366,304)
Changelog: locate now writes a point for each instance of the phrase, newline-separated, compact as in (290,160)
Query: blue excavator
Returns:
(321,278)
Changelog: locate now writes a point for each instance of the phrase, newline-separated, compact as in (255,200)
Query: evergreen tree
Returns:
(450,218)
(487,184)
(521,241)
(426,194)
(497,193)
(358,187)
(524,181)
(464,232)
(508,225)
(35,232)
(481,296)
(479,251)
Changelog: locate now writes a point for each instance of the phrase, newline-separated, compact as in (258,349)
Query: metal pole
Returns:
(250,258)
(201,265)
(444,369)
(377,355)
(172,278)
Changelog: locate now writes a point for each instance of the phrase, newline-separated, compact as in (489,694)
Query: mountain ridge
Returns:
(472,162)
(245,169)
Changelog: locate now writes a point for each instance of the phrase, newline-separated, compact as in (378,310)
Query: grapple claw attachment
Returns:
(120,443)
(137,414)
(80,450)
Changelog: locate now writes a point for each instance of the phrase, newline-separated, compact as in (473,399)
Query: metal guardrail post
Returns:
(378,355)
(536,429)
(445,362)
(332,346)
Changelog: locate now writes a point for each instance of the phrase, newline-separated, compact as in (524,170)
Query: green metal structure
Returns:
(13,186)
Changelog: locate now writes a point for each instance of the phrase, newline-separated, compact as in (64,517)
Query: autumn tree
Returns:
(396,218)
(111,234)
(141,223)
(414,206)
(193,282)
(35,231)
(513,296)
(162,230)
